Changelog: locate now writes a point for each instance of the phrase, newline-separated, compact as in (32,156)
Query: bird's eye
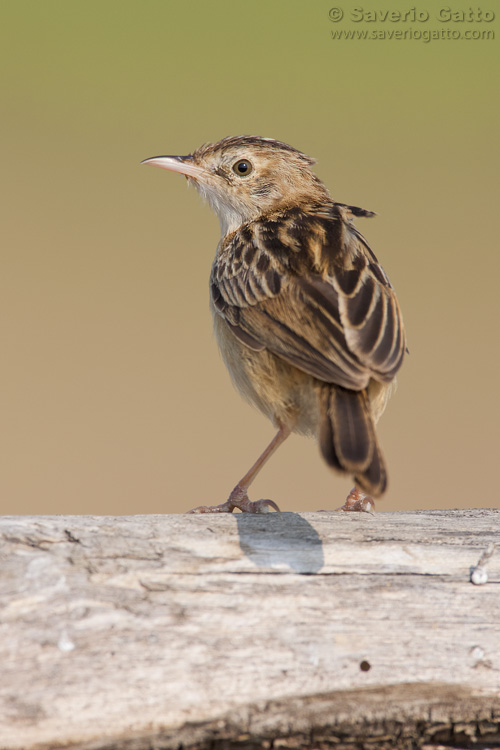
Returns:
(242,167)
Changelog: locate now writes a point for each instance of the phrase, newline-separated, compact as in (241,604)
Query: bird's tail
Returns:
(347,438)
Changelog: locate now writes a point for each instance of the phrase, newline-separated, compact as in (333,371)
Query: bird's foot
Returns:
(358,502)
(242,502)
(238,499)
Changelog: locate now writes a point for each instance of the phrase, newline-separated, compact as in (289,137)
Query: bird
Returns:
(306,319)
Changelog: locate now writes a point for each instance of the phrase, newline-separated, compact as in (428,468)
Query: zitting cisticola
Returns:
(306,319)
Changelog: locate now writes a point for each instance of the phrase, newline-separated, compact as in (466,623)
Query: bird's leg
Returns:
(239,497)
(359,502)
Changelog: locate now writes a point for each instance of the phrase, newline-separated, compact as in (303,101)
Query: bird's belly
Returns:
(280,391)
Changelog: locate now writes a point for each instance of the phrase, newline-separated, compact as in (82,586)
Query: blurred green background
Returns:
(113,395)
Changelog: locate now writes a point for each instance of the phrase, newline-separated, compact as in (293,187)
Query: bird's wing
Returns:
(322,303)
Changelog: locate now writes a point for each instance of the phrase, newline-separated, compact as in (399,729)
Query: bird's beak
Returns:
(182,164)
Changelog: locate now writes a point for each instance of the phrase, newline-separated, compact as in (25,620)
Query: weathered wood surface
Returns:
(312,630)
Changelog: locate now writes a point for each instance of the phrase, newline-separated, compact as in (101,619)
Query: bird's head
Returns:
(244,177)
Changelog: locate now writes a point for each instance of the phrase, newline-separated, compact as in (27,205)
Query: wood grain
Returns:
(295,630)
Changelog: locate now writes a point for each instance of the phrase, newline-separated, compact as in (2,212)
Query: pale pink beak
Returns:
(181,164)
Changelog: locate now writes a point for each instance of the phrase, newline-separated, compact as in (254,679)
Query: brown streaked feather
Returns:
(348,440)
(353,432)
(332,313)
(356,211)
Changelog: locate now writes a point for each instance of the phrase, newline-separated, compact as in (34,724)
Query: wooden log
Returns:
(311,630)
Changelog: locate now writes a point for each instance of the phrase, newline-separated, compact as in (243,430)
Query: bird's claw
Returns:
(238,499)
(257,506)
(358,502)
